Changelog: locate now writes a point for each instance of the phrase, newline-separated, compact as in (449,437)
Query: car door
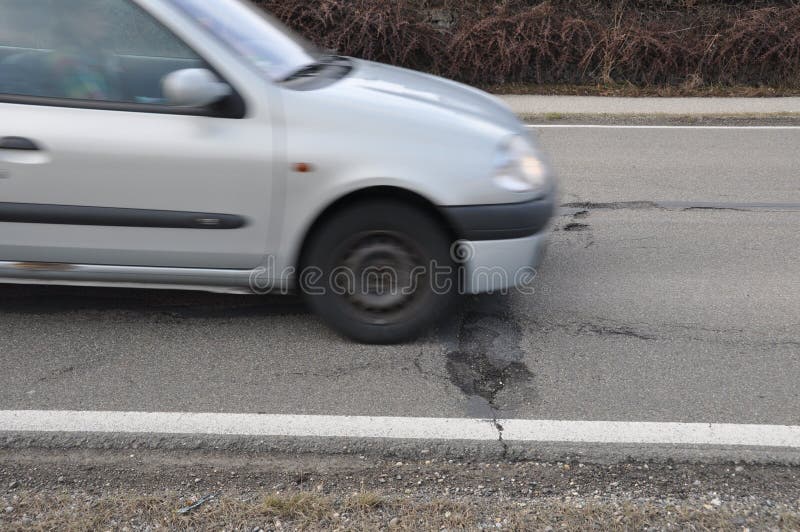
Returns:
(96,167)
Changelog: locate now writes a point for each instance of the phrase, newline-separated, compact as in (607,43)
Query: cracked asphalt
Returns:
(669,293)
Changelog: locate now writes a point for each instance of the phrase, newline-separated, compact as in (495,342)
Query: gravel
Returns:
(117,490)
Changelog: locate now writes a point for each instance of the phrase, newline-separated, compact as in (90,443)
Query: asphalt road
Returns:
(646,309)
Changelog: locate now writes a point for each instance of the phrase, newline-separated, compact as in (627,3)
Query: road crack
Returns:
(584,206)
(615,331)
(684,206)
(500,439)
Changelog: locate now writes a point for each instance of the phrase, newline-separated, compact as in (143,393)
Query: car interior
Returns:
(25,71)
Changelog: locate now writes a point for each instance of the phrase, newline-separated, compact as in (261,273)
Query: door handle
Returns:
(18,144)
(19,150)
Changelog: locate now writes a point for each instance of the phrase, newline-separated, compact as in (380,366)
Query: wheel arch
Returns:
(367,194)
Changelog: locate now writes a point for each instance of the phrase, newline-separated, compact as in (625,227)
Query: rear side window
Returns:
(96,50)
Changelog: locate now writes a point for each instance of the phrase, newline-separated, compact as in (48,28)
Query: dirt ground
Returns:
(145,490)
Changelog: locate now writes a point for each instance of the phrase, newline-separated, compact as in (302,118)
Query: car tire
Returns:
(380,271)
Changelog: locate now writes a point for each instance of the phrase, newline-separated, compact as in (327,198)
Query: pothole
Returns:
(576,227)
(487,359)
(478,374)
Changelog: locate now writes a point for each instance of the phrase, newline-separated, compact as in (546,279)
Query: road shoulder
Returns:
(138,489)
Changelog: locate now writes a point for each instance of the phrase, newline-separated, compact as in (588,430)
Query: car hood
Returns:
(430,90)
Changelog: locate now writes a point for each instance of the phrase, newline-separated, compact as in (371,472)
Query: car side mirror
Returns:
(194,87)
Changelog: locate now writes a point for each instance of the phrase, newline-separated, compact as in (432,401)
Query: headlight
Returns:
(518,168)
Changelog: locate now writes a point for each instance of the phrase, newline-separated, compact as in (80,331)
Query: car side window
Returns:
(96,50)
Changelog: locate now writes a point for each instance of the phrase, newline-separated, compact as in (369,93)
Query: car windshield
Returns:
(253,34)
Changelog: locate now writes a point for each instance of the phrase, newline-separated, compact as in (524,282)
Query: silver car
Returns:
(190,144)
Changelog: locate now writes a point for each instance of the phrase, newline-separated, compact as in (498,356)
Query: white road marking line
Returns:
(618,126)
(522,430)
(653,433)
(246,424)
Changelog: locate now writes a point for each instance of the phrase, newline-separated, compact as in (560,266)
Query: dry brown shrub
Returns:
(760,47)
(390,32)
(585,42)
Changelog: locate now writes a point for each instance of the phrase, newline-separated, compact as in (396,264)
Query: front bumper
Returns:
(504,221)
(501,245)
(502,265)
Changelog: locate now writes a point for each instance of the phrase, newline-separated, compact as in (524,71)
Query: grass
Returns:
(369,511)
(302,507)
(365,501)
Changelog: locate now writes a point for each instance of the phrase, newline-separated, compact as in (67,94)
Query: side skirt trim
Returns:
(33,213)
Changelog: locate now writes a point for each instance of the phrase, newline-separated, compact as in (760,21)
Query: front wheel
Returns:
(380,272)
